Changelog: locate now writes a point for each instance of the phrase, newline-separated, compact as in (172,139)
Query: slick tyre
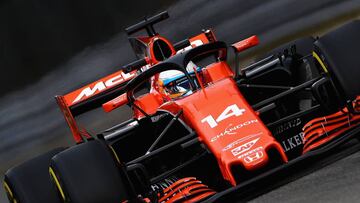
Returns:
(338,55)
(88,173)
(30,182)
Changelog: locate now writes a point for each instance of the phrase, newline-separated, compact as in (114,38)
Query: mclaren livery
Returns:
(200,130)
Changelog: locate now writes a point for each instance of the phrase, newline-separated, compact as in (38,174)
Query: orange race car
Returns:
(201,130)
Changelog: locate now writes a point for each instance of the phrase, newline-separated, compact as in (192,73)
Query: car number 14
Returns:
(232,110)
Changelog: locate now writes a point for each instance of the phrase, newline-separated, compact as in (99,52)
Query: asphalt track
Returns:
(333,180)
(32,124)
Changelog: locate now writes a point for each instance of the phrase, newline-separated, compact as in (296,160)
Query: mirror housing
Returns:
(245,44)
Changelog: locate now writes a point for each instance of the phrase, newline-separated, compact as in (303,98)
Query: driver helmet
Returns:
(174,84)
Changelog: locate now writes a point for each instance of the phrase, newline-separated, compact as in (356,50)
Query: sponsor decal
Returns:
(239,141)
(102,85)
(158,117)
(293,142)
(254,157)
(144,68)
(252,154)
(243,148)
(163,184)
(193,44)
(134,123)
(231,130)
(288,125)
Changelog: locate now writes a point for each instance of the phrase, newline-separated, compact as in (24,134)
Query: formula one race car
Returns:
(201,130)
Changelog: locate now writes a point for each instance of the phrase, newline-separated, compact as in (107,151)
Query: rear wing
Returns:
(105,89)
(90,97)
(97,89)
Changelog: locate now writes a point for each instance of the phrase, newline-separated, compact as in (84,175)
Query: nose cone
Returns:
(254,159)
(253,154)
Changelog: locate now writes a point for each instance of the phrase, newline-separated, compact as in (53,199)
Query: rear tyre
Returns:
(89,173)
(30,181)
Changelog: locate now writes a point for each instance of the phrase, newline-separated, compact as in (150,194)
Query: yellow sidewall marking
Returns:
(316,56)
(116,156)
(51,171)
(8,190)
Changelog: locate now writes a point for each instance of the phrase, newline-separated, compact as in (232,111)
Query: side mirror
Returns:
(115,103)
(245,44)
(241,46)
